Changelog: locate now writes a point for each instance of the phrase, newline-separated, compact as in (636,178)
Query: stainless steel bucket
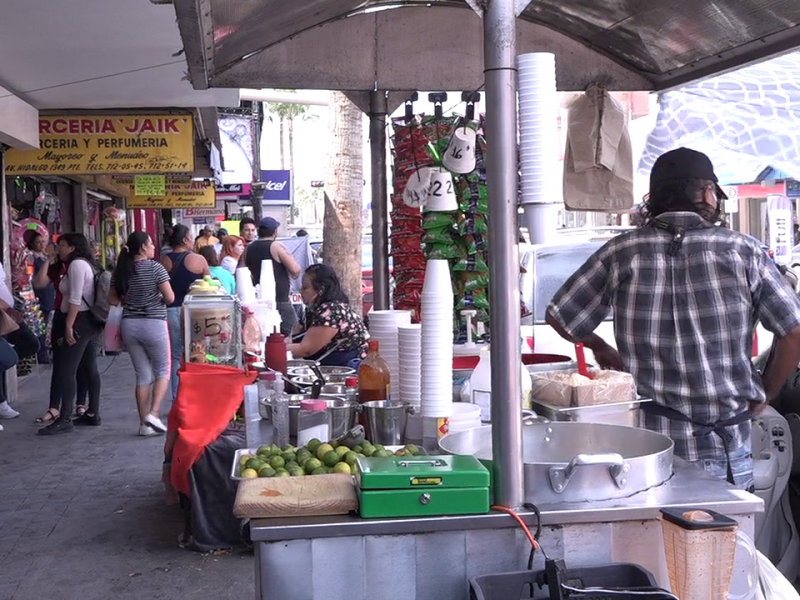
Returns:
(578,462)
(386,421)
(341,413)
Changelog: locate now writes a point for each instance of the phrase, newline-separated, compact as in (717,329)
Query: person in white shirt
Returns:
(75,334)
(17,341)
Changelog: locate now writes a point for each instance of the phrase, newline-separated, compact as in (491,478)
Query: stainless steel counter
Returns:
(432,558)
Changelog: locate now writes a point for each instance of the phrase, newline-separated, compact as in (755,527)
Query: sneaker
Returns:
(155,423)
(56,427)
(147,431)
(1,428)
(87,419)
(6,412)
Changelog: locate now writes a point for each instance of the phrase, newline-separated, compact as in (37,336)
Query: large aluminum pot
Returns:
(341,413)
(578,462)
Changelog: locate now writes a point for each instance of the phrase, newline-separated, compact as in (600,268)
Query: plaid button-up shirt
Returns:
(684,322)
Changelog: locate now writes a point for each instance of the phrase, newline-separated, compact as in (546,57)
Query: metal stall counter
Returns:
(432,558)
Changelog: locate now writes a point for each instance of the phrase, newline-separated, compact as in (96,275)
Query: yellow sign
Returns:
(150,185)
(193,194)
(89,145)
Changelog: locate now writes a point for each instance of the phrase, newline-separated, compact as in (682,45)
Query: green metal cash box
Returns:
(422,486)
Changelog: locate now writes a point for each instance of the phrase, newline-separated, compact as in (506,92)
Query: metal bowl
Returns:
(307,382)
(299,363)
(326,370)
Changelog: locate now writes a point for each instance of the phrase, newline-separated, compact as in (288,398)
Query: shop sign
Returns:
(88,145)
(277,184)
(217,211)
(192,194)
(779,222)
(792,188)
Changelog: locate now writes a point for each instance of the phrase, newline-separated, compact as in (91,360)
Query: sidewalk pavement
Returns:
(82,515)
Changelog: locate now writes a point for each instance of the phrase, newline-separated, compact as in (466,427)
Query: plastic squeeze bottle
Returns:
(373,376)
(275,352)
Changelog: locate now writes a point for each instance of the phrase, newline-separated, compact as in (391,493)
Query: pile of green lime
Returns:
(315,458)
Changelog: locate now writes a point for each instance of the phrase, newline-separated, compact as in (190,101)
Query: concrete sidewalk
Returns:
(82,515)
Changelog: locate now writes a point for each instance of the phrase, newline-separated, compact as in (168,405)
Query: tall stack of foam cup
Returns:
(538,132)
(437,351)
(410,384)
(383,326)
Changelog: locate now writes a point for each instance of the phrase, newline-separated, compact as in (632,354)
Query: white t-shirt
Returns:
(77,286)
(229,264)
(5,292)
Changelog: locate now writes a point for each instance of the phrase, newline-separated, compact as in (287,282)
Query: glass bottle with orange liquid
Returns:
(373,376)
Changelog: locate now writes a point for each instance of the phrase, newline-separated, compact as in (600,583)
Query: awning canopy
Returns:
(438,44)
(746,121)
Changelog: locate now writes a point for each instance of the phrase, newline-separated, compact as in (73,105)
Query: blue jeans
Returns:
(175,346)
(741,465)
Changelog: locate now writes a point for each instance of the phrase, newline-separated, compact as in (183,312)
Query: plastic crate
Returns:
(619,577)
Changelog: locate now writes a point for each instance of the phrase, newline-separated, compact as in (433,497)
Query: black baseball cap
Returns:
(684,163)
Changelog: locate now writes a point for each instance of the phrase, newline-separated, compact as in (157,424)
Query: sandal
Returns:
(80,410)
(51,415)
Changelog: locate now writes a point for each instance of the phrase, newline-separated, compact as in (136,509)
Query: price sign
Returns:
(150,185)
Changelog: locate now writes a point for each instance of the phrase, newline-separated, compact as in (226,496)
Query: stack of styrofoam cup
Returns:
(538,127)
(442,194)
(409,339)
(383,326)
(437,341)
(267,284)
(245,289)
(465,416)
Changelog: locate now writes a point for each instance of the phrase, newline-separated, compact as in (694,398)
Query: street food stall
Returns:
(435,556)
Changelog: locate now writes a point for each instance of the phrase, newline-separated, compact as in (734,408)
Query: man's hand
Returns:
(607,357)
(756,408)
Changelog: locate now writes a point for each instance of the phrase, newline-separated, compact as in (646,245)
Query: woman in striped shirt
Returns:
(142,286)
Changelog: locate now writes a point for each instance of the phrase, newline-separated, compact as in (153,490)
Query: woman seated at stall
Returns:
(331,332)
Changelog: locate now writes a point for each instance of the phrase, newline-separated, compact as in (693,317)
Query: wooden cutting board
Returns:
(312,495)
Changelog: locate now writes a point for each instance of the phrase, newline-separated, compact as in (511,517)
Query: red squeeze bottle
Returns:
(275,352)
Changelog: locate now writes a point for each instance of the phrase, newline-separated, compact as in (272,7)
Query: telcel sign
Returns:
(278,185)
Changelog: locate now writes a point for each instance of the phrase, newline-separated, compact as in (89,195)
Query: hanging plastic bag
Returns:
(772,585)
(112,334)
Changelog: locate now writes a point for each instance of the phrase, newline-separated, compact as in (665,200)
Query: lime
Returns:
(263,450)
(289,457)
(358,448)
(253,463)
(412,449)
(402,452)
(334,443)
(287,448)
(274,449)
(311,465)
(379,447)
(350,458)
(313,444)
(382,453)
(354,469)
(320,471)
(303,453)
(322,450)
(296,471)
(244,458)
(292,463)
(330,458)
(368,450)
(249,473)
(342,450)
(282,473)
(341,468)
(277,462)
(266,472)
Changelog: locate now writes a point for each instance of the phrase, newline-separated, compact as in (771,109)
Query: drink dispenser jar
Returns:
(212,330)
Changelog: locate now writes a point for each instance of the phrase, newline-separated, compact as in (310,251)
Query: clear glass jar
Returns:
(312,422)
(280,411)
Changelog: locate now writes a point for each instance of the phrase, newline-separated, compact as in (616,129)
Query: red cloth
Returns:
(208,396)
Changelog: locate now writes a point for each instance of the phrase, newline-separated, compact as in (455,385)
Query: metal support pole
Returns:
(499,29)
(380,222)
(257,191)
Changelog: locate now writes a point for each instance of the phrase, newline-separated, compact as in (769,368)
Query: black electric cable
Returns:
(537,534)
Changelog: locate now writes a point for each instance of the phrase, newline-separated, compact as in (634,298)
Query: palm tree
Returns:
(344,188)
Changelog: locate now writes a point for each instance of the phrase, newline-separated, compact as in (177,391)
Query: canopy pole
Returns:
(499,27)
(378,109)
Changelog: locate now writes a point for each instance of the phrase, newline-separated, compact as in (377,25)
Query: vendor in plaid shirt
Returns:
(685,296)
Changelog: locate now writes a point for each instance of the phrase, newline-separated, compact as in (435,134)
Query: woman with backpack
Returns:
(75,334)
(141,285)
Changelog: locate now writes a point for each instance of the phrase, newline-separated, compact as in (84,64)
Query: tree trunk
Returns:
(283,152)
(344,189)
